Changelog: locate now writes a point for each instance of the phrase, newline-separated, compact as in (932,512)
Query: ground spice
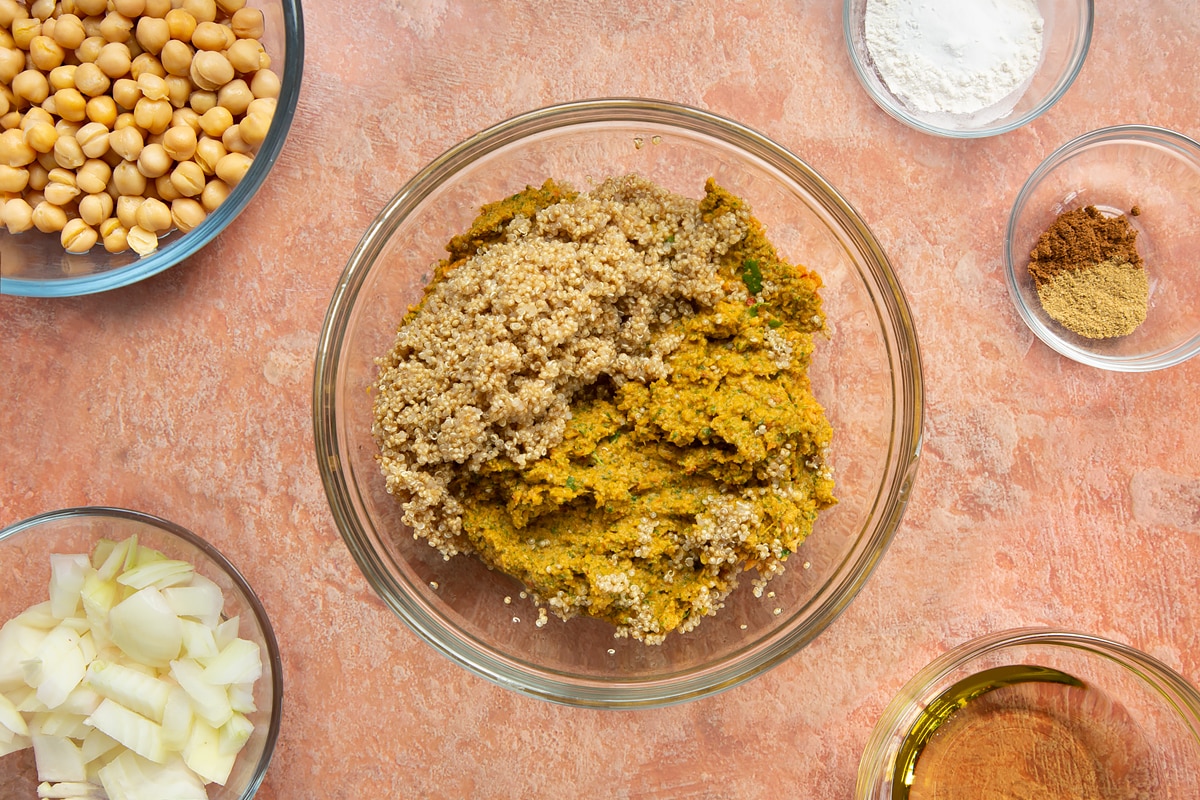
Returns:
(1089,275)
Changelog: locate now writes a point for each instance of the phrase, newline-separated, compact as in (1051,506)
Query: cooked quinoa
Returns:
(604,394)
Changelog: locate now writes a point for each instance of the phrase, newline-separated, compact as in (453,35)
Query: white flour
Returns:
(954,56)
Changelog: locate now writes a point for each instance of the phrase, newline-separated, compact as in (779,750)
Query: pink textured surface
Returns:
(1049,492)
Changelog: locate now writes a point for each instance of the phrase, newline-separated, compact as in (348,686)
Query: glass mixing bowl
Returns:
(867,375)
(1066,37)
(1135,721)
(34,263)
(25,550)
(1116,169)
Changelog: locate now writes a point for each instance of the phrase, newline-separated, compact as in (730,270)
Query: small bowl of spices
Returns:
(1101,248)
(1033,713)
(967,68)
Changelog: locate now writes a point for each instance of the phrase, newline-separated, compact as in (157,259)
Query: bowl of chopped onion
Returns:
(135,662)
(566,430)
(132,133)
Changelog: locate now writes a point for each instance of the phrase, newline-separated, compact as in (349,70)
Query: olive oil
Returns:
(1023,733)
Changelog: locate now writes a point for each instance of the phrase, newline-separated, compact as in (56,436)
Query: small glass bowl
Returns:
(34,263)
(1115,169)
(1148,733)
(1066,36)
(867,375)
(25,550)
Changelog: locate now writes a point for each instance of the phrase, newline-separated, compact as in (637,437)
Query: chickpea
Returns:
(234,141)
(142,241)
(146,63)
(39,176)
(179,142)
(152,33)
(17,215)
(188,178)
(95,208)
(61,194)
(176,58)
(179,90)
(127,143)
(187,213)
(114,60)
(130,8)
(157,8)
(186,117)
(165,190)
(212,70)
(35,115)
(78,237)
(265,83)
(181,24)
(13,150)
(216,121)
(125,120)
(91,80)
(10,120)
(93,139)
(209,36)
(70,105)
(68,31)
(32,86)
(116,28)
(128,179)
(235,96)
(49,160)
(233,167)
(5,103)
(209,151)
(45,53)
(48,218)
(116,241)
(153,161)
(41,136)
(90,8)
(126,93)
(15,179)
(255,128)
(228,7)
(202,101)
(67,128)
(68,153)
(202,10)
(152,86)
(42,9)
(247,23)
(245,55)
(91,24)
(153,115)
(93,176)
(102,110)
(23,31)
(127,206)
(12,62)
(49,105)
(61,77)
(89,50)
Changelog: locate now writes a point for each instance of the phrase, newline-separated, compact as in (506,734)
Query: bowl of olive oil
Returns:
(1036,713)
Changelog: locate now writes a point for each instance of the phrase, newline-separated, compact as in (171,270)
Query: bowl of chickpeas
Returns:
(132,132)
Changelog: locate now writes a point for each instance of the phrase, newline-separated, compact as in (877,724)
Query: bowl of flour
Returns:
(967,68)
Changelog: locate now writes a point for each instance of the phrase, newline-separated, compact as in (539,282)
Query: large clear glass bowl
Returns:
(1066,37)
(867,375)
(34,263)
(25,550)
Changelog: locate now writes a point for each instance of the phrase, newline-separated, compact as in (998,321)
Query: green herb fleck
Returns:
(752,275)
(775,323)
(571,483)
(753,310)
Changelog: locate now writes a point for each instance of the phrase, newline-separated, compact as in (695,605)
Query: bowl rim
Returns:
(889,505)
(1174,140)
(30,525)
(179,248)
(878,759)
(889,104)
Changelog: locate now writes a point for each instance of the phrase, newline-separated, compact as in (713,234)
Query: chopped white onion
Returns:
(127,683)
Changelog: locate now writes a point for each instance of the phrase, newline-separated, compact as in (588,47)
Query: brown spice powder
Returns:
(1080,239)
